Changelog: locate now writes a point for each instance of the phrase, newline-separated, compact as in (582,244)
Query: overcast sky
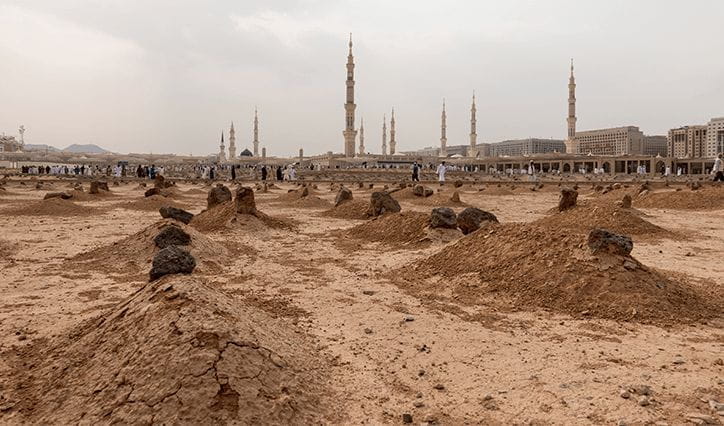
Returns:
(169,75)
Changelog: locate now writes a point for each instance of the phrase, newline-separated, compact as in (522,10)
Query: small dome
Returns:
(246,153)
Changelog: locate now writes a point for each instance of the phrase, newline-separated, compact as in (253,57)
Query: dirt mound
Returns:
(6,249)
(527,265)
(438,199)
(353,209)
(195,191)
(84,196)
(224,216)
(395,229)
(51,207)
(178,351)
(706,198)
(587,216)
(295,199)
(151,203)
(133,255)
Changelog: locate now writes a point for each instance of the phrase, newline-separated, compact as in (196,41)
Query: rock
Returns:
(244,201)
(470,219)
(171,235)
(458,183)
(626,201)
(142,185)
(598,188)
(360,185)
(695,185)
(715,405)
(381,202)
(629,265)
(161,182)
(62,195)
(407,418)
(172,260)
(39,185)
(218,195)
(644,401)
(370,186)
(702,419)
(439,386)
(624,394)
(368,331)
(418,404)
(94,187)
(568,199)
(644,187)
(368,292)
(443,217)
(616,186)
(422,191)
(455,197)
(305,192)
(343,195)
(642,389)
(601,240)
(152,191)
(177,214)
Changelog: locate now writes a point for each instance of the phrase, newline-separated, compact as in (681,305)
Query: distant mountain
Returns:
(39,147)
(85,149)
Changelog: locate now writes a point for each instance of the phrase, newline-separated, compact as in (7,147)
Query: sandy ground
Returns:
(390,352)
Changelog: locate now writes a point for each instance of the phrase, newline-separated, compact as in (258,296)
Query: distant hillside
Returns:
(40,147)
(86,149)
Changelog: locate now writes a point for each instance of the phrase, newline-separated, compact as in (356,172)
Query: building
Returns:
(715,137)
(688,142)
(349,133)
(571,143)
(627,140)
(655,145)
(10,144)
(529,146)
(473,151)
(256,134)
(232,142)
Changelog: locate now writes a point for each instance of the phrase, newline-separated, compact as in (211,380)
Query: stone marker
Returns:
(381,202)
(443,217)
(470,219)
(601,240)
(62,195)
(171,235)
(626,201)
(305,192)
(152,191)
(175,213)
(455,197)
(218,195)
(422,191)
(343,195)
(172,260)
(568,199)
(244,201)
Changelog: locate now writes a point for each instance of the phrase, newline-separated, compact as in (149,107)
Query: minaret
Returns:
(362,136)
(349,132)
(232,142)
(472,152)
(222,149)
(393,143)
(443,132)
(256,133)
(384,135)
(571,142)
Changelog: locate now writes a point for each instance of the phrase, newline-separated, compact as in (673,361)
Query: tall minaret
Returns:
(443,132)
(256,133)
(232,142)
(393,142)
(349,132)
(473,130)
(222,149)
(361,136)
(384,134)
(571,142)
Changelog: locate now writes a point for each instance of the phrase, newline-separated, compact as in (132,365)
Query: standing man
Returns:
(441,169)
(717,170)
(263,172)
(233,172)
(415,172)
(279,173)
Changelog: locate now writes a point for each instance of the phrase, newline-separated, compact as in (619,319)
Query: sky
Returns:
(168,76)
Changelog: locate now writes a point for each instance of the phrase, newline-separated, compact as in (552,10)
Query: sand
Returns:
(372,319)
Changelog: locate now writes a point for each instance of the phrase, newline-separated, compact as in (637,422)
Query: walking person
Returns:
(441,170)
(717,170)
(415,172)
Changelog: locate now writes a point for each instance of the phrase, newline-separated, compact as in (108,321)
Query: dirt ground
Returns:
(388,352)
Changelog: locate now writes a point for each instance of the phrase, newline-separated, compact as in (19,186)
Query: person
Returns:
(415,172)
(152,172)
(279,173)
(263,172)
(717,170)
(211,173)
(233,172)
(441,169)
(292,174)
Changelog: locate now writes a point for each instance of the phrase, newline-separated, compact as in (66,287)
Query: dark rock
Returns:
(175,213)
(455,197)
(218,195)
(244,201)
(381,202)
(305,192)
(601,240)
(443,217)
(161,182)
(568,199)
(172,260)
(63,195)
(407,418)
(458,184)
(171,235)
(343,195)
(470,219)
(422,191)
(626,201)
(152,191)
(695,185)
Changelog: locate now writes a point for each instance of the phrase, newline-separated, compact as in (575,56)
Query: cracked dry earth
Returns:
(307,326)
